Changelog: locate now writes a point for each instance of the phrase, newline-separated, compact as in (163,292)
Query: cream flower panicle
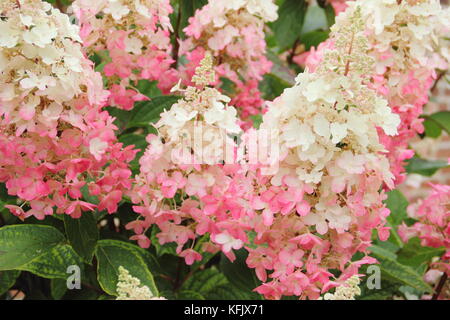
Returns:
(130,288)
(347,291)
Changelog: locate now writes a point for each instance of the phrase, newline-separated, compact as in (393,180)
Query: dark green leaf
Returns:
(387,291)
(289,25)
(20,244)
(54,263)
(58,288)
(238,273)
(272,86)
(313,38)
(7,279)
(148,88)
(330,14)
(210,284)
(146,112)
(82,234)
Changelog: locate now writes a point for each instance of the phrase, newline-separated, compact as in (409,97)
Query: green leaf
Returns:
(289,25)
(387,291)
(210,284)
(138,140)
(190,295)
(257,120)
(54,263)
(398,272)
(146,112)
(205,281)
(414,254)
(7,279)
(313,38)
(397,204)
(122,117)
(439,120)
(82,234)
(58,288)
(20,244)
(330,14)
(425,167)
(432,129)
(238,273)
(111,254)
(272,86)
(382,252)
(148,88)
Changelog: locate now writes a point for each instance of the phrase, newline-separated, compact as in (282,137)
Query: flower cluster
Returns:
(135,35)
(184,162)
(408,41)
(306,211)
(339,5)
(323,202)
(433,227)
(130,288)
(233,31)
(54,137)
(346,291)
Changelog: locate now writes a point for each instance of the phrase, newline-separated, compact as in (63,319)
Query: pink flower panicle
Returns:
(234,32)
(54,137)
(136,37)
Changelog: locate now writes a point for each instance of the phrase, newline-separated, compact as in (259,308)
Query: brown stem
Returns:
(440,76)
(2,220)
(165,277)
(291,56)
(91,287)
(177,283)
(187,277)
(176,46)
(60,6)
(440,286)
(111,224)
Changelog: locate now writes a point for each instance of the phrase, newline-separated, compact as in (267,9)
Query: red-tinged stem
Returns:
(440,286)
(347,66)
(440,76)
